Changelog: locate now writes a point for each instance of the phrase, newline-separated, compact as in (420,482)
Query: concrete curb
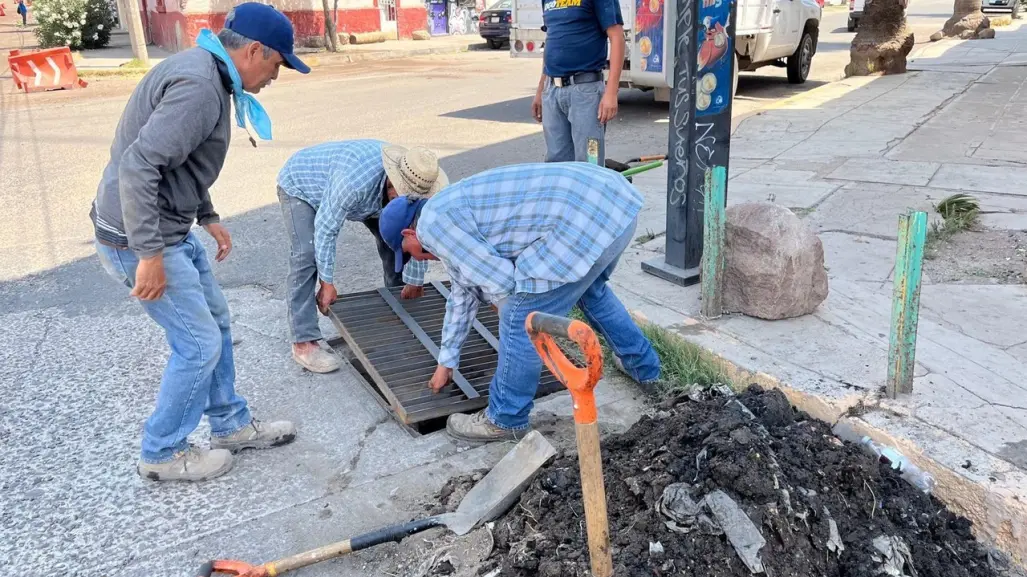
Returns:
(325,59)
(992,502)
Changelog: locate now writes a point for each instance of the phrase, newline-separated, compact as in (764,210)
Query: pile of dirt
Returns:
(822,507)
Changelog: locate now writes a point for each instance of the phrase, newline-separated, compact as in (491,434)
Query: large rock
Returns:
(774,263)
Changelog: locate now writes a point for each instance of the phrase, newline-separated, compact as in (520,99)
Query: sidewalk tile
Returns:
(993,314)
(857,257)
(798,195)
(886,171)
(858,208)
(973,178)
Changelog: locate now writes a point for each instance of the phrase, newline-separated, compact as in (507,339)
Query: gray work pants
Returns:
(303,280)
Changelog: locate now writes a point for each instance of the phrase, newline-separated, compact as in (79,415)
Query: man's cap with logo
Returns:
(268,26)
(394,219)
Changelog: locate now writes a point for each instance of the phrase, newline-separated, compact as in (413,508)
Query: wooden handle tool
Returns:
(580,382)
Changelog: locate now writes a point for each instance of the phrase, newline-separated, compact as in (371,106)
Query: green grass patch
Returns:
(684,365)
(959,212)
(112,72)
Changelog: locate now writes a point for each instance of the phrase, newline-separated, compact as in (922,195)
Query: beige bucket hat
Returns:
(413,172)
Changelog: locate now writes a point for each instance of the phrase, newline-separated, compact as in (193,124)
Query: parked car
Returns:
(1011,6)
(494,23)
(856,12)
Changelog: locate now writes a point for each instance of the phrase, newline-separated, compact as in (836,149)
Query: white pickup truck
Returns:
(767,32)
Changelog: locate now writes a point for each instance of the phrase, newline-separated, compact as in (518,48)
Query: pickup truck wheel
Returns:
(495,44)
(800,62)
(852,25)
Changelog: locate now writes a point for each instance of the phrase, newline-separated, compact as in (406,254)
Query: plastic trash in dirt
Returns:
(894,556)
(743,535)
(726,518)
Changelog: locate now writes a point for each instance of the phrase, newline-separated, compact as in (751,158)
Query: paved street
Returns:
(79,362)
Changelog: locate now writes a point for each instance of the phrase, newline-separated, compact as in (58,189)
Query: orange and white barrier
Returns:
(39,70)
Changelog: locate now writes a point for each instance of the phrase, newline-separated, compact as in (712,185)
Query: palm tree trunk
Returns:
(967,22)
(883,40)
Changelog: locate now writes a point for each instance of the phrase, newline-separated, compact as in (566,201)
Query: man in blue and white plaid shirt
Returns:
(322,187)
(530,237)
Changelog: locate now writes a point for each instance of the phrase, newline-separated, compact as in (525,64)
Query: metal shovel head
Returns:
(503,485)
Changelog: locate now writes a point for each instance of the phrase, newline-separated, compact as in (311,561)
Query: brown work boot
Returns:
(256,435)
(193,464)
(477,428)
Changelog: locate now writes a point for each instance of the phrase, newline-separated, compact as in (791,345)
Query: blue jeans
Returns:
(512,391)
(200,375)
(570,116)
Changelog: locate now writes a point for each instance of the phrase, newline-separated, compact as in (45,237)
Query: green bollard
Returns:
(714,240)
(905,310)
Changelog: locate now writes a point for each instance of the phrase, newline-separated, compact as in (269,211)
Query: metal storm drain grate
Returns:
(395,344)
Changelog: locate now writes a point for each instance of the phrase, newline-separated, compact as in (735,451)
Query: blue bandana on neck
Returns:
(246,106)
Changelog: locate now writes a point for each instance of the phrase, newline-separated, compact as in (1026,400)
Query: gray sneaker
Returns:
(256,435)
(648,387)
(193,464)
(477,428)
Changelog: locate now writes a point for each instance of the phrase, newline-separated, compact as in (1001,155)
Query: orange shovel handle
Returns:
(580,381)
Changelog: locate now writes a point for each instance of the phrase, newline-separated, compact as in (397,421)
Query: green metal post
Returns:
(714,238)
(905,310)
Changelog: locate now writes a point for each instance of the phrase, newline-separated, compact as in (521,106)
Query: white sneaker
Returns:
(317,360)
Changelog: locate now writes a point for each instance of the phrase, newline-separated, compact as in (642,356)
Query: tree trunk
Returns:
(967,22)
(883,40)
(332,40)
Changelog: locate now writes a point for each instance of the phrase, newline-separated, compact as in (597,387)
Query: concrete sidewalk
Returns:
(119,53)
(849,157)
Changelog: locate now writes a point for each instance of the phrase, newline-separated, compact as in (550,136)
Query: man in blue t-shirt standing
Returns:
(573,103)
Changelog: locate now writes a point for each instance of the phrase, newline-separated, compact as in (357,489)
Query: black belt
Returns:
(579,78)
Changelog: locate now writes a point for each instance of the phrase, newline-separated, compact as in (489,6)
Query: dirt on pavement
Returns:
(980,256)
(823,507)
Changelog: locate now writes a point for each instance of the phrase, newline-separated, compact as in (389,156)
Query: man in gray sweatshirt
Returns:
(168,150)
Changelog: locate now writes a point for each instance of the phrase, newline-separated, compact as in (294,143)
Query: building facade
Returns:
(174,24)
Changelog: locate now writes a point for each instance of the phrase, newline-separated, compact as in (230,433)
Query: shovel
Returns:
(581,382)
(486,501)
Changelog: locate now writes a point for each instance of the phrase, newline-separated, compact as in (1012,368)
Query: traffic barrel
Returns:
(39,70)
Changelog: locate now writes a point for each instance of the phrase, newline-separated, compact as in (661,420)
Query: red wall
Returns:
(307,23)
(411,19)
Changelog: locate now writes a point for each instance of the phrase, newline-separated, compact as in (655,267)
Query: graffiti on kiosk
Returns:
(462,20)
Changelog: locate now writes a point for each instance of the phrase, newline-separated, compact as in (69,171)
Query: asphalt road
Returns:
(472,108)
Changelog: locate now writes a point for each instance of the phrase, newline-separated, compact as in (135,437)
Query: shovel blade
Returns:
(503,485)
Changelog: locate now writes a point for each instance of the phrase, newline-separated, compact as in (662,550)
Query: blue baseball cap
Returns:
(395,218)
(268,26)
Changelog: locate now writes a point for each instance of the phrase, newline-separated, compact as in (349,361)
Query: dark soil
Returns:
(790,476)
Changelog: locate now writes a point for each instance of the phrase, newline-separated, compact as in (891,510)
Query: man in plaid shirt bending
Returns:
(320,188)
(530,237)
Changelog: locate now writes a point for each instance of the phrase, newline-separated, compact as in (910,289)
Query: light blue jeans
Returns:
(200,375)
(512,391)
(570,116)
